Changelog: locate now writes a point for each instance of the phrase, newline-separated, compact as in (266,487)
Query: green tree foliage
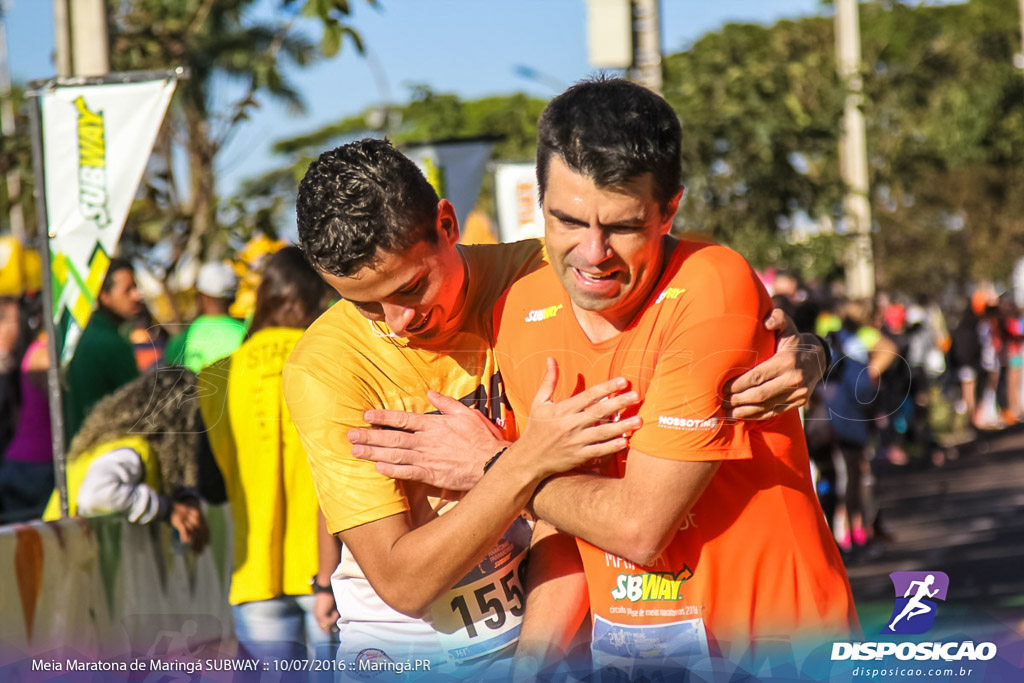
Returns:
(16,158)
(945,111)
(220,42)
(761,110)
(760,107)
(428,116)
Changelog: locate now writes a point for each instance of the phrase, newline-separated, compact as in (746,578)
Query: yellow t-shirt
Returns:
(270,491)
(345,365)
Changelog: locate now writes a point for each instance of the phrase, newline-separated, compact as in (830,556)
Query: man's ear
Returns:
(447,223)
(670,211)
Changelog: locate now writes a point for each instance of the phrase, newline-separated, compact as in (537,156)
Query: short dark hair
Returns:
(612,131)
(117,263)
(360,198)
(291,294)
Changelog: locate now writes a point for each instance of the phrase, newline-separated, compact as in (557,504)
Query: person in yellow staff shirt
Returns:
(280,588)
(420,577)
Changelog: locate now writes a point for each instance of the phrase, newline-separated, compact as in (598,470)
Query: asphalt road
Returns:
(965,518)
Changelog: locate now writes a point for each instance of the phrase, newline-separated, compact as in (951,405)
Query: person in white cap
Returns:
(214,334)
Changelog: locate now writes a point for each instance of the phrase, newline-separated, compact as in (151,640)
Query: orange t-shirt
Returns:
(754,558)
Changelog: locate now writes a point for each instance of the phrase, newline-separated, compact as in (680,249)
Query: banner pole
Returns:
(53,372)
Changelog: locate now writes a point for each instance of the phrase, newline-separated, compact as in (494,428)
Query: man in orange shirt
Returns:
(703,538)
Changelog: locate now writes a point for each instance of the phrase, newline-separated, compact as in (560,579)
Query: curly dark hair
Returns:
(612,131)
(359,199)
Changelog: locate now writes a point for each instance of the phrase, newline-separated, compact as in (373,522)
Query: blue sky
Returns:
(468,47)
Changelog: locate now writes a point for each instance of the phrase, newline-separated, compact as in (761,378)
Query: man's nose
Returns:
(398,318)
(594,246)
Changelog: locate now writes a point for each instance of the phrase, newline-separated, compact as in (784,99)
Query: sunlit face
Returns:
(123,298)
(604,242)
(418,293)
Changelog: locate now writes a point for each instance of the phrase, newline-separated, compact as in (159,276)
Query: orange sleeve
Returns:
(507,366)
(715,333)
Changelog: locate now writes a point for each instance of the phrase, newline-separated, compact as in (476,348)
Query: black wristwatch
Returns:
(318,588)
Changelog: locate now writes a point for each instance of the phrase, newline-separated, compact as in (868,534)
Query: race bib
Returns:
(483,613)
(627,647)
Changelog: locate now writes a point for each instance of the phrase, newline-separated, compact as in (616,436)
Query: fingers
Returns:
(546,390)
(776,320)
(447,404)
(781,324)
(603,448)
(612,430)
(596,393)
(394,456)
(738,385)
(381,438)
(781,388)
(609,408)
(403,472)
(760,404)
(761,412)
(398,419)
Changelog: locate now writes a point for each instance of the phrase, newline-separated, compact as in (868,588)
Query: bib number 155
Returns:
(491,605)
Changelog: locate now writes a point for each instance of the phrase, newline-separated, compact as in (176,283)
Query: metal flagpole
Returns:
(53,372)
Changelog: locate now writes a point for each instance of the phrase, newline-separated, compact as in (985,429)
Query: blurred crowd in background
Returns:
(912,380)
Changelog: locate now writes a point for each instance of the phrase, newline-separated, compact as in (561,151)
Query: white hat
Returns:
(217,280)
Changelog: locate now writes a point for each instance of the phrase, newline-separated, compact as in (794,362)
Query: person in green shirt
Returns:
(104,360)
(214,334)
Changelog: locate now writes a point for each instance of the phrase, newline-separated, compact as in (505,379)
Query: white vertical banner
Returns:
(97,140)
(455,168)
(517,201)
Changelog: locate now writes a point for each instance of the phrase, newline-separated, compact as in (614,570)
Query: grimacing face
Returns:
(605,243)
(418,293)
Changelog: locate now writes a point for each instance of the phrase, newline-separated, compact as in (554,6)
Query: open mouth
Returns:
(595,278)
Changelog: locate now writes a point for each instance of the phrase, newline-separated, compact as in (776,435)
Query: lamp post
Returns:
(853,158)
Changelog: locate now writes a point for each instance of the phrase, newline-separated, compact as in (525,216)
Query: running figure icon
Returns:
(915,606)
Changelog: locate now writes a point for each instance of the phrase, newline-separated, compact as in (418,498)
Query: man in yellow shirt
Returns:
(416,317)
(415,584)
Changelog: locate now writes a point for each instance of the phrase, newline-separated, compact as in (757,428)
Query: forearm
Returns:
(635,516)
(556,599)
(328,551)
(425,562)
(592,507)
